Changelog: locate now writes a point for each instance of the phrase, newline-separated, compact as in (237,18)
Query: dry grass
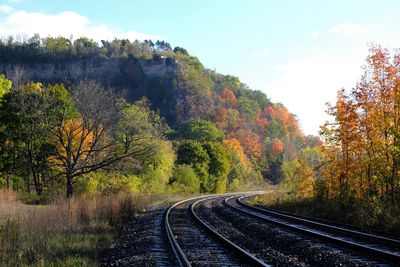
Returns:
(66,232)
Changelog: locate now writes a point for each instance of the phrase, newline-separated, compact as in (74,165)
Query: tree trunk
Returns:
(8,180)
(28,181)
(37,183)
(70,188)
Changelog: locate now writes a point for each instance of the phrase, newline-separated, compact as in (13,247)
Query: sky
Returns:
(300,53)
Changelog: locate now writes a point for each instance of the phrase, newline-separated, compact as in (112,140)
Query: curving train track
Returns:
(199,239)
(196,243)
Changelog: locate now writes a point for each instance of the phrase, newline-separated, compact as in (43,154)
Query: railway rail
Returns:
(384,248)
(195,242)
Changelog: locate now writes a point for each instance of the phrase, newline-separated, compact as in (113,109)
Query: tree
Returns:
(138,125)
(218,167)
(184,179)
(6,152)
(178,49)
(228,97)
(84,139)
(27,117)
(298,178)
(158,166)
(193,154)
(250,142)
(234,146)
(362,143)
(200,130)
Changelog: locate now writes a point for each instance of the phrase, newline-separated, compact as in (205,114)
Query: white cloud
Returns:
(22,23)
(348,28)
(263,52)
(315,34)
(6,9)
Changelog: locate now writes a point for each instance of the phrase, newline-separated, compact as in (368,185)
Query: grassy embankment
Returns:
(66,232)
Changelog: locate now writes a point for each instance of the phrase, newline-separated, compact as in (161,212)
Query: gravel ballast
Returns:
(143,243)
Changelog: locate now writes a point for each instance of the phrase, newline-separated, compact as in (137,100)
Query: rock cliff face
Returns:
(99,68)
(134,78)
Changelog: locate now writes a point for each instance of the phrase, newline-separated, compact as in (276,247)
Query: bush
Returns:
(193,154)
(185,180)
(107,183)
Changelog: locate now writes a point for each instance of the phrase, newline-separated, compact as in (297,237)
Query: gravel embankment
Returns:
(143,243)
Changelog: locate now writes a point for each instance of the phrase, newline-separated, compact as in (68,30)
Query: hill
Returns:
(266,135)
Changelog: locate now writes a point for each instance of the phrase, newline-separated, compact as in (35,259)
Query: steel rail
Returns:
(379,253)
(308,221)
(176,248)
(244,254)
(178,252)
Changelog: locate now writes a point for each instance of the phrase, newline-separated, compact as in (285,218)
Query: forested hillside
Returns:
(182,127)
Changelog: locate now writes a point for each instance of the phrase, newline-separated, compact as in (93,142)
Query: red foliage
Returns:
(228,97)
(221,116)
(261,121)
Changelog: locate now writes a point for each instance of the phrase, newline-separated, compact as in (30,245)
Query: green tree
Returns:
(138,125)
(193,154)
(200,130)
(219,166)
(158,167)
(6,152)
(27,116)
(248,106)
(185,180)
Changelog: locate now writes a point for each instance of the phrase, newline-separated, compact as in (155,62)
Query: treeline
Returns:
(61,49)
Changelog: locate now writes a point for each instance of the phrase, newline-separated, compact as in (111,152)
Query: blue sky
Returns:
(298,52)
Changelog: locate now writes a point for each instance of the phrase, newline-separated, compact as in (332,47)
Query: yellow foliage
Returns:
(234,146)
(75,140)
(221,186)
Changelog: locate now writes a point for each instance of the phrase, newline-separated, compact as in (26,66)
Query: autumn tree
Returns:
(362,142)
(90,138)
(228,97)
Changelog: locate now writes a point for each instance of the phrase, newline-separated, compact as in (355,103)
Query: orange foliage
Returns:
(277,146)
(283,116)
(250,141)
(362,145)
(228,97)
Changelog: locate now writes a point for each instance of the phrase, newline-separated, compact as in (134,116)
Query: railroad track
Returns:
(196,243)
(383,248)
